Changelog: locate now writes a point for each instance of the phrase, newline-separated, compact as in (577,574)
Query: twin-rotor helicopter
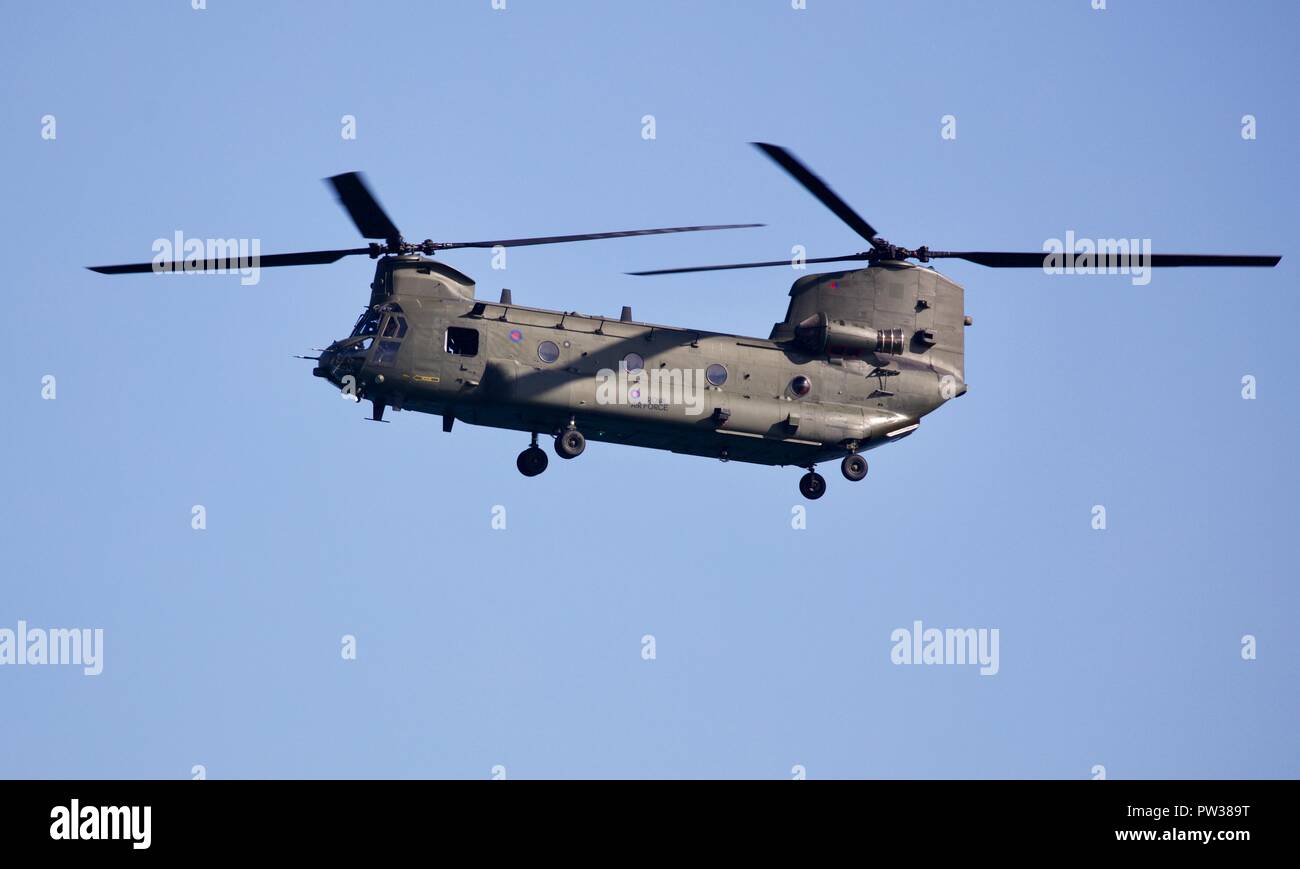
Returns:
(860,358)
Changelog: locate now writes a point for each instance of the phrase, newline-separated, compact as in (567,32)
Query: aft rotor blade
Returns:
(304,258)
(779,262)
(819,188)
(590,236)
(1010,260)
(366,212)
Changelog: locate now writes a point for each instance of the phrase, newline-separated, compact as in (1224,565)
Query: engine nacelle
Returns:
(820,334)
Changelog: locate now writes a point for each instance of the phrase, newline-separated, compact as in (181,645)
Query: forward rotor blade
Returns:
(779,262)
(1174,260)
(590,236)
(995,259)
(304,258)
(366,212)
(1009,260)
(819,188)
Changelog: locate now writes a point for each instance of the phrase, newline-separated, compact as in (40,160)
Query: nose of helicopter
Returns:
(326,362)
(323,363)
(341,360)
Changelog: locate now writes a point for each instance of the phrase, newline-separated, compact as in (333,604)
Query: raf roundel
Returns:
(516,336)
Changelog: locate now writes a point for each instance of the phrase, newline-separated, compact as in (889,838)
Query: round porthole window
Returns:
(633,362)
(547,351)
(716,374)
(800,386)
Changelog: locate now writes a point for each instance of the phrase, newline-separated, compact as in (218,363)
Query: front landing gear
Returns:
(812,485)
(533,460)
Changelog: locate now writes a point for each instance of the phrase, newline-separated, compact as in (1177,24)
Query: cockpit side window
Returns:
(394,330)
(386,355)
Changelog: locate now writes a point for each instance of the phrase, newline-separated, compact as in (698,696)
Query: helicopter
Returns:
(860,358)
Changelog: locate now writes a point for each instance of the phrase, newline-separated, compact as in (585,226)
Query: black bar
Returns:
(334,818)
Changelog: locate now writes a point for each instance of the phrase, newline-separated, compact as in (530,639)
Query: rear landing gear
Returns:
(854,467)
(570,444)
(533,460)
(812,485)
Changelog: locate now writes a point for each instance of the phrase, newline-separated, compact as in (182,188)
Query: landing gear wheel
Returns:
(570,444)
(812,485)
(854,467)
(532,461)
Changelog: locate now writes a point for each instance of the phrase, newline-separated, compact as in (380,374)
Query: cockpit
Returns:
(385,325)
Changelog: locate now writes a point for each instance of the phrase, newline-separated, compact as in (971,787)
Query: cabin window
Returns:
(716,374)
(462,342)
(800,386)
(633,362)
(548,352)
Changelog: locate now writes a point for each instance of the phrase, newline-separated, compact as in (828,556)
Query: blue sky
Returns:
(522,647)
